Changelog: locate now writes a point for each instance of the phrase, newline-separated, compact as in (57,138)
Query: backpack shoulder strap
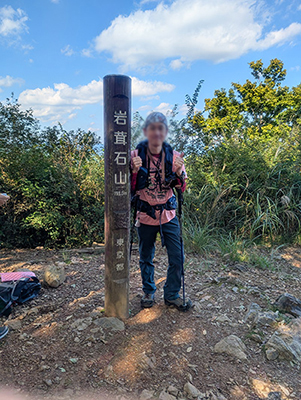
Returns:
(142,150)
(168,157)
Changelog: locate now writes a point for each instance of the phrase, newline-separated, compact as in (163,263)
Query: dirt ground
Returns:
(45,356)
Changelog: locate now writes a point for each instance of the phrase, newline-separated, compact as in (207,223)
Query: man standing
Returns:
(155,170)
(3,329)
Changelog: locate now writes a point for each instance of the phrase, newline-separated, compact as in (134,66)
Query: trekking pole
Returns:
(180,202)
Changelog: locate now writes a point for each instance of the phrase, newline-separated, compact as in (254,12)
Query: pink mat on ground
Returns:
(15,276)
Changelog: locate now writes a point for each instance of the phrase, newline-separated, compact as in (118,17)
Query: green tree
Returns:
(246,162)
(55,179)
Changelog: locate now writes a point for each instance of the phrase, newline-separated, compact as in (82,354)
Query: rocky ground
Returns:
(234,344)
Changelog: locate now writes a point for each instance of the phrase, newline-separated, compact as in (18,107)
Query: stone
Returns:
(14,324)
(197,307)
(48,382)
(147,362)
(274,396)
(54,275)
(81,324)
(173,390)
(255,337)
(255,291)
(287,303)
(146,394)
(217,396)
(271,354)
(252,312)
(191,391)
(265,319)
(233,346)
(110,323)
(166,396)
(222,319)
(286,344)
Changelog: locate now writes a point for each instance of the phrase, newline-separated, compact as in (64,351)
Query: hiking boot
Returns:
(148,300)
(3,331)
(178,303)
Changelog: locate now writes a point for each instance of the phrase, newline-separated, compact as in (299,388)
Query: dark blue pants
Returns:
(147,238)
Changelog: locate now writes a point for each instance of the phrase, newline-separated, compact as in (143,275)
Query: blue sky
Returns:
(54,53)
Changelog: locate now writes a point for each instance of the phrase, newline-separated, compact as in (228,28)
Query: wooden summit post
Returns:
(117,139)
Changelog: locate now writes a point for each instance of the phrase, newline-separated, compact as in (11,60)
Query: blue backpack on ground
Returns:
(17,292)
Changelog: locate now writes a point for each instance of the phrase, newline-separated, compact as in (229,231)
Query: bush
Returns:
(243,158)
(56,183)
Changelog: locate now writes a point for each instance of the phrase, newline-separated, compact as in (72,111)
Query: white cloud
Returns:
(176,64)
(299,7)
(8,81)
(164,108)
(53,104)
(55,1)
(12,21)
(150,88)
(87,52)
(67,50)
(188,30)
(279,37)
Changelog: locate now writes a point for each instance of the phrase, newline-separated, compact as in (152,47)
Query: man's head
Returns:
(155,128)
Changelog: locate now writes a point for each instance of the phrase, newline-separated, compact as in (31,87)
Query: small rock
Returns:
(255,337)
(48,382)
(197,307)
(252,312)
(110,323)
(166,396)
(81,324)
(44,367)
(255,292)
(288,304)
(217,396)
(286,344)
(173,390)
(146,394)
(265,319)
(54,275)
(73,360)
(274,396)
(191,391)
(14,324)
(147,362)
(222,319)
(233,346)
(271,354)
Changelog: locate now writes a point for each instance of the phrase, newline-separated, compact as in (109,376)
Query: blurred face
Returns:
(156,133)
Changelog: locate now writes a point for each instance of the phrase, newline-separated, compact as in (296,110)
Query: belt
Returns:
(150,210)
